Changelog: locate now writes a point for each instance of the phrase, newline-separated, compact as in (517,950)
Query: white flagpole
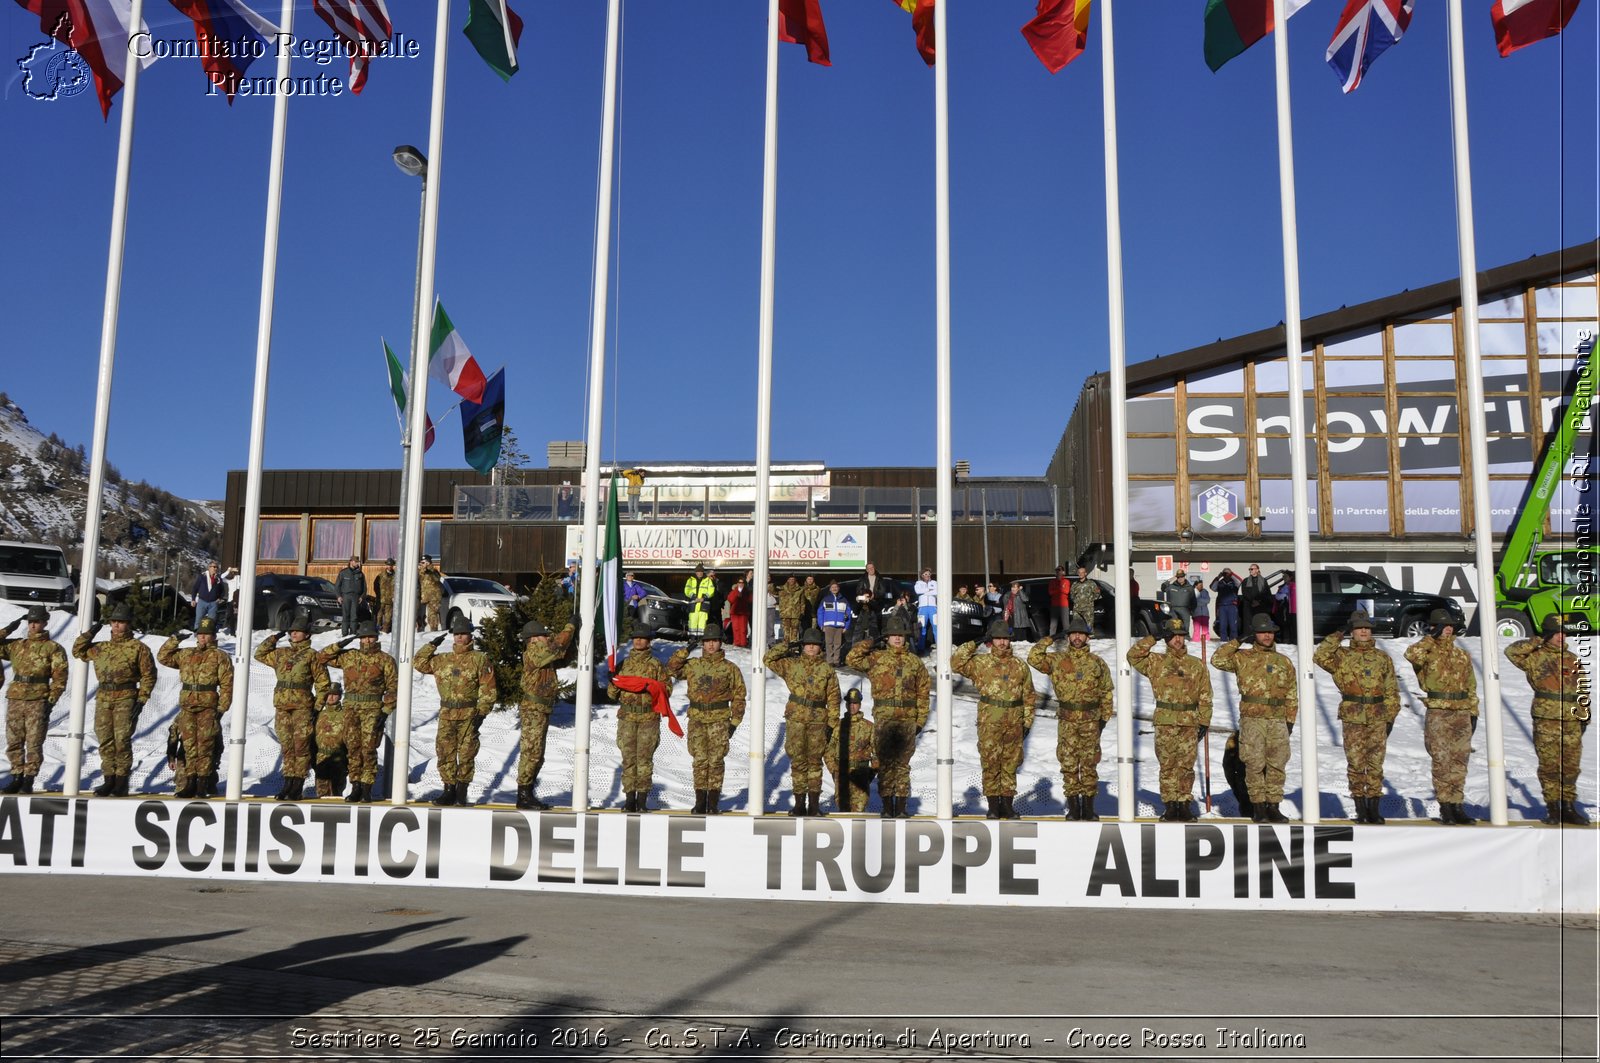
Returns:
(1477,426)
(90,558)
(405,624)
(1305,640)
(591,459)
(757,703)
(505,30)
(943,562)
(1122,554)
(244,619)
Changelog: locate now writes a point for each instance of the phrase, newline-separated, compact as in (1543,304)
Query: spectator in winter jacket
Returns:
(210,588)
(739,613)
(1226,588)
(994,602)
(633,591)
(871,591)
(351,587)
(1254,597)
(1060,601)
(1178,593)
(927,589)
(833,617)
(1016,614)
(1202,610)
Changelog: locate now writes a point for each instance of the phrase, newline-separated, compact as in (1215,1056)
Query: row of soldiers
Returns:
(430,593)
(339,726)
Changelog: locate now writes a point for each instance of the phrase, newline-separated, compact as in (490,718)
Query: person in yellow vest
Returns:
(635,480)
(699,589)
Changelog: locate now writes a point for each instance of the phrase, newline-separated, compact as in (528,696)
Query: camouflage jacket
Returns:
(900,682)
(791,600)
(712,679)
(430,585)
(124,668)
(1181,683)
(465,679)
(852,740)
(811,595)
(812,682)
(1560,684)
(540,686)
(1002,679)
(302,677)
(1084,593)
(1081,680)
(1444,671)
(1267,687)
(206,675)
(38,668)
(642,663)
(383,587)
(1364,674)
(369,675)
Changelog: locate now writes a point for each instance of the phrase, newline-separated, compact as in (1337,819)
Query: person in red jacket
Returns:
(1060,601)
(739,613)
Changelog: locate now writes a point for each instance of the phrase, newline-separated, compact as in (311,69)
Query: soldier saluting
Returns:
(371,684)
(716,707)
(125,676)
(1005,713)
(541,652)
(38,676)
(1085,701)
(467,692)
(1182,686)
(301,676)
(900,691)
(1267,711)
(813,703)
(207,677)
(1560,716)
(1450,691)
(1369,702)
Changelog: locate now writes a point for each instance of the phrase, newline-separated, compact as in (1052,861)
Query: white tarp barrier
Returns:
(1047,863)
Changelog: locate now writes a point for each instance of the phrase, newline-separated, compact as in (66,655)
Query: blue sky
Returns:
(854,351)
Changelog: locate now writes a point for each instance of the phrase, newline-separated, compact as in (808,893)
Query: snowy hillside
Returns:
(1407,770)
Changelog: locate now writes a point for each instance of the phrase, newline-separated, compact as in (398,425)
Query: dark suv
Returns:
(661,611)
(279,595)
(1338,592)
(1147,615)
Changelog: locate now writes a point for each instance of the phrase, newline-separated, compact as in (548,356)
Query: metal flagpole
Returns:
(90,558)
(244,617)
(769,223)
(1121,545)
(1472,366)
(1305,640)
(591,458)
(417,412)
(942,560)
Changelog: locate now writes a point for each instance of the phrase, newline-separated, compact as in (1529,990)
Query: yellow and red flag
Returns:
(1059,32)
(800,22)
(921,21)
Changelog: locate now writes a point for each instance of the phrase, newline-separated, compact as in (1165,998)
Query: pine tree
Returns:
(499,637)
(514,461)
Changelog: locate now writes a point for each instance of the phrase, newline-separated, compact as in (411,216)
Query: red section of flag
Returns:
(1519,23)
(922,22)
(800,22)
(363,25)
(636,684)
(1251,18)
(68,21)
(1058,33)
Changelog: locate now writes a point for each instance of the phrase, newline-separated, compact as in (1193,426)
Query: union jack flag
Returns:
(1365,30)
(364,27)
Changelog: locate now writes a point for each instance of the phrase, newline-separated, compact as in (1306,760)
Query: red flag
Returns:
(1058,32)
(1519,23)
(636,684)
(99,32)
(922,22)
(800,22)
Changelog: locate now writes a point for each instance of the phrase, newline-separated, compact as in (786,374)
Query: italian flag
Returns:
(398,388)
(611,575)
(1234,25)
(495,30)
(449,361)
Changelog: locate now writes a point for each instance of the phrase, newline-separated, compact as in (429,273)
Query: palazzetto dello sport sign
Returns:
(1047,863)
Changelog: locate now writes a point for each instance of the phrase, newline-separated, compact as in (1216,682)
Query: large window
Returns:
(279,540)
(333,539)
(383,539)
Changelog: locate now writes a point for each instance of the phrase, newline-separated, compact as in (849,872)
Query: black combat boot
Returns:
(699,808)
(283,791)
(1086,806)
(814,804)
(1552,812)
(186,790)
(208,788)
(1074,807)
(798,809)
(1570,813)
(713,802)
(885,807)
(1011,807)
(902,808)
(1461,815)
(641,801)
(1169,814)
(993,807)
(294,788)
(1360,815)
(27,784)
(121,787)
(1191,811)
(354,796)
(14,786)
(447,796)
(461,795)
(1374,816)
(1258,812)
(1275,814)
(533,798)
(110,783)
(525,797)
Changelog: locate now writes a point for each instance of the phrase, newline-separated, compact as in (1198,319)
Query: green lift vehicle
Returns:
(1531,583)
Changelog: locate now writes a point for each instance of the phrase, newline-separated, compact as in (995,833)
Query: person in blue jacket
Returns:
(833,617)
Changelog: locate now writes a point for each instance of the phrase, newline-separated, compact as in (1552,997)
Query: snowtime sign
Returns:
(790,545)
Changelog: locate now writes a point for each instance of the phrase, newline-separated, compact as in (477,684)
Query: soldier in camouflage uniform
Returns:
(465,679)
(383,585)
(813,704)
(1005,713)
(430,585)
(541,653)
(716,708)
(207,677)
(371,683)
(1084,593)
(38,676)
(125,676)
(638,725)
(1182,687)
(331,763)
(1450,690)
(1369,702)
(900,691)
(1560,715)
(851,755)
(1084,702)
(1267,711)
(300,677)
(791,607)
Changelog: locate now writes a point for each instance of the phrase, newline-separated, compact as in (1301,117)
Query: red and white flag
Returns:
(364,27)
(99,31)
(1519,23)
(449,361)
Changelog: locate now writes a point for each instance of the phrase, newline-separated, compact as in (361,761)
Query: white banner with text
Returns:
(789,545)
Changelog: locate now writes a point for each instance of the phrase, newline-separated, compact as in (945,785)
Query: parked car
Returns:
(1338,592)
(474,598)
(1147,616)
(279,595)
(36,574)
(661,611)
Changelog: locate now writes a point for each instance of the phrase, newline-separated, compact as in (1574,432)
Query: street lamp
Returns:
(411,161)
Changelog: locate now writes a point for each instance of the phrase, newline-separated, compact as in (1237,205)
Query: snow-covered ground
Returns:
(1408,776)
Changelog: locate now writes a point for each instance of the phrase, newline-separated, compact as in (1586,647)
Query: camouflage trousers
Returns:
(535,719)
(456,745)
(200,729)
(1559,744)
(26,723)
(294,727)
(363,727)
(114,723)
(1264,748)
(897,741)
(385,616)
(708,734)
(638,735)
(432,606)
(851,794)
(1364,747)
(1000,738)
(1447,736)
(805,737)
(1086,615)
(180,759)
(1175,752)
(791,628)
(1078,751)
(331,762)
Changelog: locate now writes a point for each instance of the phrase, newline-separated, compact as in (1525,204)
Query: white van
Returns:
(32,573)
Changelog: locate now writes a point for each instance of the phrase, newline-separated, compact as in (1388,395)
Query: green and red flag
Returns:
(1234,25)
(495,31)
(399,388)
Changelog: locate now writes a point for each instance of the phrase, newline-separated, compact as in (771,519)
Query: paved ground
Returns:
(154,968)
